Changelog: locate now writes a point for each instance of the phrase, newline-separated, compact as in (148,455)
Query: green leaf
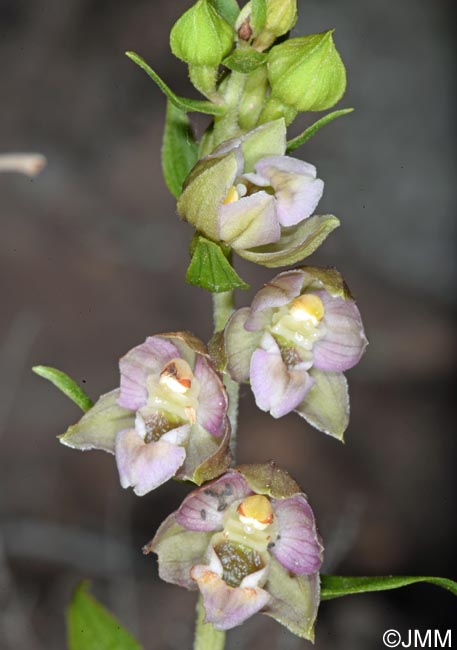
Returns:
(179,149)
(185,104)
(337,586)
(259,15)
(245,60)
(314,128)
(228,9)
(91,627)
(66,384)
(211,270)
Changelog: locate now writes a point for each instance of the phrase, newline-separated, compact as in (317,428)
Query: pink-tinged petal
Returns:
(212,400)
(225,606)
(277,389)
(147,358)
(240,345)
(280,291)
(249,222)
(203,509)
(297,190)
(297,547)
(344,342)
(145,466)
(178,551)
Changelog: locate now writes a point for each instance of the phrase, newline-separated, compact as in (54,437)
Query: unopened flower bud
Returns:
(307,73)
(201,37)
(281,17)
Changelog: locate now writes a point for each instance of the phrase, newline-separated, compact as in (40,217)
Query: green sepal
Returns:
(326,406)
(266,140)
(258,15)
(307,72)
(268,478)
(211,270)
(228,9)
(245,60)
(328,278)
(65,384)
(179,149)
(337,586)
(92,627)
(184,103)
(314,128)
(295,243)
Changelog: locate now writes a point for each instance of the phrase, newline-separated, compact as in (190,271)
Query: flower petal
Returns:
(344,341)
(145,466)
(297,548)
(203,509)
(212,401)
(240,345)
(250,221)
(98,427)
(326,406)
(294,600)
(297,190)
(143,360)
(178,551)
(277,389)
(206,456)
(295,243)
(225,606)
(280,291)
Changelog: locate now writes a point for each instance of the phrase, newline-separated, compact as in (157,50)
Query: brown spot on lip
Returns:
(245,30)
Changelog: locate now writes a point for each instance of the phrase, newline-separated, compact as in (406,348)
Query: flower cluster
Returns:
(248,541)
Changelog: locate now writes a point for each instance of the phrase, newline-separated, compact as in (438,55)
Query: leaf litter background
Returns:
(93,260)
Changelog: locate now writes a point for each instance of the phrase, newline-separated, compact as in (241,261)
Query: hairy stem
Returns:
(206,637)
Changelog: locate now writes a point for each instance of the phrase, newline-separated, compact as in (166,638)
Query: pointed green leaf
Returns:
(245,60)
(66,384)
(91,627)
(179,149)
(258,15)
(337,586)
(314,128)
(211,270)
(228,9)
(185,104)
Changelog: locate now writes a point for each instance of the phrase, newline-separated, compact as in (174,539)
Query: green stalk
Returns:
(206,637)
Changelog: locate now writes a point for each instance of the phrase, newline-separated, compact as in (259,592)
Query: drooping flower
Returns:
(302,331)
(249,195)
(248,542)
(168,418)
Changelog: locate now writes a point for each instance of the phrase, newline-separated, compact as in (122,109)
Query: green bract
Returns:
(307,73)
(201,36)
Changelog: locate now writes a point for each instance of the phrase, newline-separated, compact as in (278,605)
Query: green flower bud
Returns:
(307,73)
(281,17)
(201,37)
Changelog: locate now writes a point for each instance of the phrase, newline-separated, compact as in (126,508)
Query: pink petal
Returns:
(298,547)
(280,291)
(225,606)
(203,509)
(249,222)
(212,402)
(344,342)
(145,466)
(147,358)
(277,389)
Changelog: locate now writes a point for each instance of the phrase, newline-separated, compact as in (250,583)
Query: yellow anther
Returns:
(307,308)
(256,510)
(232,195)
(177,376)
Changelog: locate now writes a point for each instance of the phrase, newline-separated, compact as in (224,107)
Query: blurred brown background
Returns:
(93,260)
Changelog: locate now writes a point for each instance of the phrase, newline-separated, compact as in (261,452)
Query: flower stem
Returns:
(206,637)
